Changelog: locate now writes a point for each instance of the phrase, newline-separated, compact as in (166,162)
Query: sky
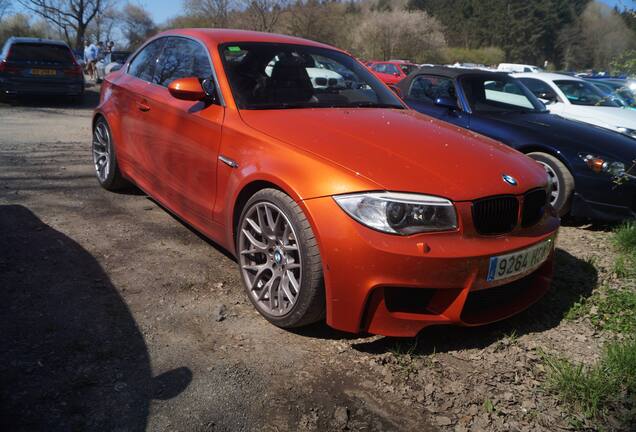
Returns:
(161,10)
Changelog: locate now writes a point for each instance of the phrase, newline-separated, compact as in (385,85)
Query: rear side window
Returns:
(428,88)
(538,87)
(39,52)
(181,58)
(143,65)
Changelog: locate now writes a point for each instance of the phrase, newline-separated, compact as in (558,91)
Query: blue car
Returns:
(39,67)
(591,169)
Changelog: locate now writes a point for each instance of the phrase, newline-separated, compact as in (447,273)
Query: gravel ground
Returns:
(115,316)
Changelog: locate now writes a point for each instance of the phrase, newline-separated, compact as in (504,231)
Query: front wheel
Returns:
(279,260)
(562,182)
(106,168)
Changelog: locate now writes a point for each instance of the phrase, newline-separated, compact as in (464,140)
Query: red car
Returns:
(392,72)
(337,202)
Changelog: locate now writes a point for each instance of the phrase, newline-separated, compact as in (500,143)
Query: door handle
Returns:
(143,105)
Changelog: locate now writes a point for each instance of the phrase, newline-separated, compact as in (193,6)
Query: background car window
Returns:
(181,58)
(48,53)
(143,65)
(539,88)
(379,67)
(583,93)
(428,88)
(276,76)
(391,69)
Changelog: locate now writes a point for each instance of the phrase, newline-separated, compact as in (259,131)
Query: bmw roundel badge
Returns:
(509,179)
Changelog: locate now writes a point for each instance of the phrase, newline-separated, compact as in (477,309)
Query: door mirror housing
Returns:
(446,102)
(189,89)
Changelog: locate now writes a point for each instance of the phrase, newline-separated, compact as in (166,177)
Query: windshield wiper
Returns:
(371,105)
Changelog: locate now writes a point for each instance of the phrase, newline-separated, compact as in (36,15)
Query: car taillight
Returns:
(6,68)
(75,70)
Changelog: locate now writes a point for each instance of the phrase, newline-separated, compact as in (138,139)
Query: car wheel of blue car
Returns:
(562,182)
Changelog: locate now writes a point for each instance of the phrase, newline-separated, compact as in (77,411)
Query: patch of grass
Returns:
(609,309)
(625,241)
(593,391)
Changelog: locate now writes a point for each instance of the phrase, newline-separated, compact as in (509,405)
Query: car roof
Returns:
(454,72)
(546,76)
(15,39)
(221,36)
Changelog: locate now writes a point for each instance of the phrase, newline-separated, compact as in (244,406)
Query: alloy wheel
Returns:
(555,188)
(101,151)
(270,259)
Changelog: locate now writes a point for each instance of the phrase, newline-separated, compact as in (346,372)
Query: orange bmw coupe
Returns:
(337,201)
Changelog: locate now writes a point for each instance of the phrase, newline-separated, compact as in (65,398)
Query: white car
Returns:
(109,63)
(576,99)
(515,67)
(321,78)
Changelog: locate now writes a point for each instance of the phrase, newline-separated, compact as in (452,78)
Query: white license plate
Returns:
(505,266)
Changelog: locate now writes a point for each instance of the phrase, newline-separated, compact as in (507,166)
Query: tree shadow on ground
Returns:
(71,354)
(574,279)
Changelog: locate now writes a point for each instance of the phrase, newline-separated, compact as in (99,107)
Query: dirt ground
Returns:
(115,316)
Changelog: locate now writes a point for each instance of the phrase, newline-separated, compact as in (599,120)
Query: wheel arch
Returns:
(532,148)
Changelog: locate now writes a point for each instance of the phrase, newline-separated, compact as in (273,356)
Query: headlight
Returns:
(626,131)
(598,165)
(400,213)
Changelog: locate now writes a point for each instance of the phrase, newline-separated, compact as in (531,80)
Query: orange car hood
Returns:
(402,150)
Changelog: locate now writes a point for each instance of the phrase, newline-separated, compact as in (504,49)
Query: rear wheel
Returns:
(106,168)
(562,181)
(279,260)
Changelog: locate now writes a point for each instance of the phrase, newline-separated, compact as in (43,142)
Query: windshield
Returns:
(488,94)
(584,93)
(279,76)
(38,52)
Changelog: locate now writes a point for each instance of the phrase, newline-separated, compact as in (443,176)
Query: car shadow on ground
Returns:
(89,100)
(574,279)
(71,354)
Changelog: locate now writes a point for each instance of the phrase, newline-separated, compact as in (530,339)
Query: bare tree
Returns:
(71,16)
(5,5)
(105,22)
(262,15)
(215,12)
(412,35)
(137,25)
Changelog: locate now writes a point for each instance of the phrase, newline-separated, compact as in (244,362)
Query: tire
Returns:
(270,270)
(563,187)
(103,149)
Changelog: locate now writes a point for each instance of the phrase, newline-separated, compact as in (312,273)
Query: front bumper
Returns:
(598,198)
(397,285)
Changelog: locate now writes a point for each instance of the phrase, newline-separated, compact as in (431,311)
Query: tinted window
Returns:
(277,76)
(538,87)
(143,65)
(37,52)
(181,58)
(407,69)
(583,93)
(429,87)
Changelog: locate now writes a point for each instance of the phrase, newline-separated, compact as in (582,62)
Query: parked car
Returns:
(609,92)
(573,98)
(39,67)
(392,72)
(621,88)
(515,67)
(109,62)
(336,202)
(582,161)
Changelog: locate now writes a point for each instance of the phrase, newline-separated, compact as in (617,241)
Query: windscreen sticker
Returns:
(234,49)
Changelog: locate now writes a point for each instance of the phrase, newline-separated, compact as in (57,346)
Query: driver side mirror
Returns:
(446,102)
(192,89)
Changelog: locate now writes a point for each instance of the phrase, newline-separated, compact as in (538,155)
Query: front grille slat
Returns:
(534,205)
(495,215)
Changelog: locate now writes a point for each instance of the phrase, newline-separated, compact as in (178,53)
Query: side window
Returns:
(143,65)
(392,69)
(538,87)
(181,58)
(428,88)
(378,67)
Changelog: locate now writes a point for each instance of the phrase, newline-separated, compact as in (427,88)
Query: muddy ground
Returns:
(115,316)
